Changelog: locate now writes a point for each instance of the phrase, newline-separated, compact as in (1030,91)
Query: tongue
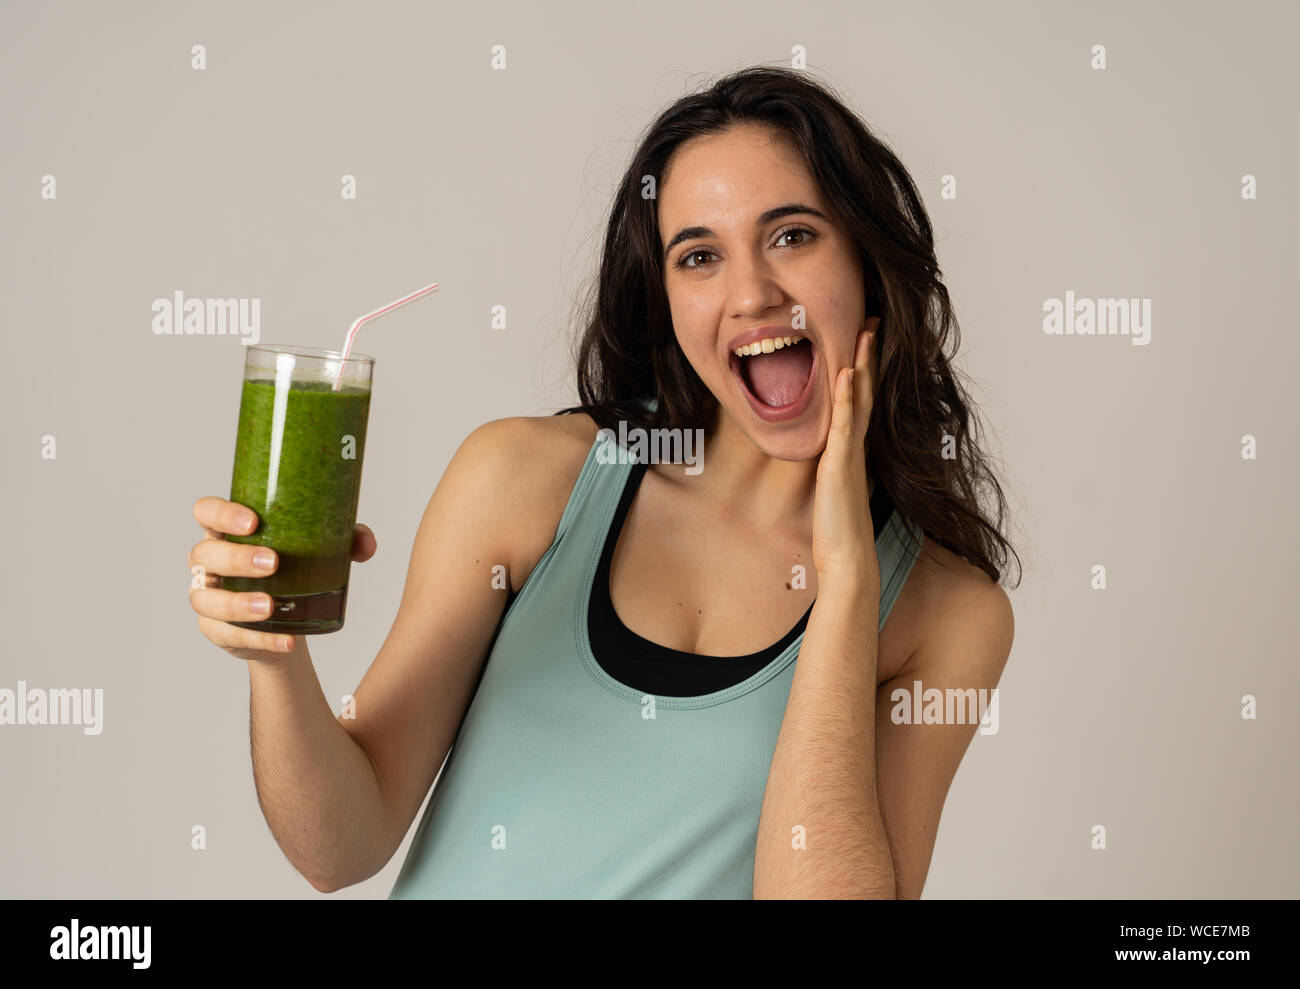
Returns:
(777,379)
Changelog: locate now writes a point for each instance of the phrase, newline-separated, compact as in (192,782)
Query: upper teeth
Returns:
(766,345)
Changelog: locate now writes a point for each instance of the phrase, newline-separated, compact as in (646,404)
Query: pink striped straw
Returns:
(352,332)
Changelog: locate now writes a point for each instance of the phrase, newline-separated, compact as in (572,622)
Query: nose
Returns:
(752,289)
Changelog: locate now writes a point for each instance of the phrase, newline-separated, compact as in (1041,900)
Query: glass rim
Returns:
(316,352)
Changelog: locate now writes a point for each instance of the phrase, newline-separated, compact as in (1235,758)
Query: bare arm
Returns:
(317,787)
(964,653)
(340,793)
(866,789)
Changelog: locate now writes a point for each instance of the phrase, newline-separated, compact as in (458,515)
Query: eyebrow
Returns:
(775,213)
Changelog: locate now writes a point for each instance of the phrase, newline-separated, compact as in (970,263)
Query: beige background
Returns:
(1119,708)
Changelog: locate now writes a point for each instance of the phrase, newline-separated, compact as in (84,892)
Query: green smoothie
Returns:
(296,467)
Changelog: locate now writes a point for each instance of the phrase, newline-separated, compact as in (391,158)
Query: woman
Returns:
(642,728)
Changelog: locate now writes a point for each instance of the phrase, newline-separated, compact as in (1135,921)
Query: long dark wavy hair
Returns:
(923,440)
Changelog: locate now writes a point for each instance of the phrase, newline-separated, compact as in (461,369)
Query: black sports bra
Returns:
(645,665)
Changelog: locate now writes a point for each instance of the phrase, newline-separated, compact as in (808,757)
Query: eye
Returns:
(683,261)
(796,230)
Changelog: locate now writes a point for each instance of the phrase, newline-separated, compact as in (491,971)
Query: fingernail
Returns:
(264,559)
(284,643)
(260,606)
(244,521)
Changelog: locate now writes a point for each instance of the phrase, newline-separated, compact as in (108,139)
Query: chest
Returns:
(715,584)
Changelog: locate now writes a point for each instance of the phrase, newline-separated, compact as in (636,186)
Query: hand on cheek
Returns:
(843,540)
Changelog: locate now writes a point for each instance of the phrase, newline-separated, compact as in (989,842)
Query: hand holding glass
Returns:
(298,463)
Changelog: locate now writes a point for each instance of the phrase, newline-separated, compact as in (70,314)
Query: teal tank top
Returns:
(565,784)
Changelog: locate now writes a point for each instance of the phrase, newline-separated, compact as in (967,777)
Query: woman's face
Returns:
(735,276)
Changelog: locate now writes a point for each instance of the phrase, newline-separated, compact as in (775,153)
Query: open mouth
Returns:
(777,380)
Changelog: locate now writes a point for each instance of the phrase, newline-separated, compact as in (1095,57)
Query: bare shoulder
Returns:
(953,607)
(526,466)
(540,455)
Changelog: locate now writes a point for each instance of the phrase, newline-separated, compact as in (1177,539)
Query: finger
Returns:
(364,543)
(841,431)
(873,352)
(864,363)
(862,349)
(231,606)
(218,516)
(234,637)
(218,556)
